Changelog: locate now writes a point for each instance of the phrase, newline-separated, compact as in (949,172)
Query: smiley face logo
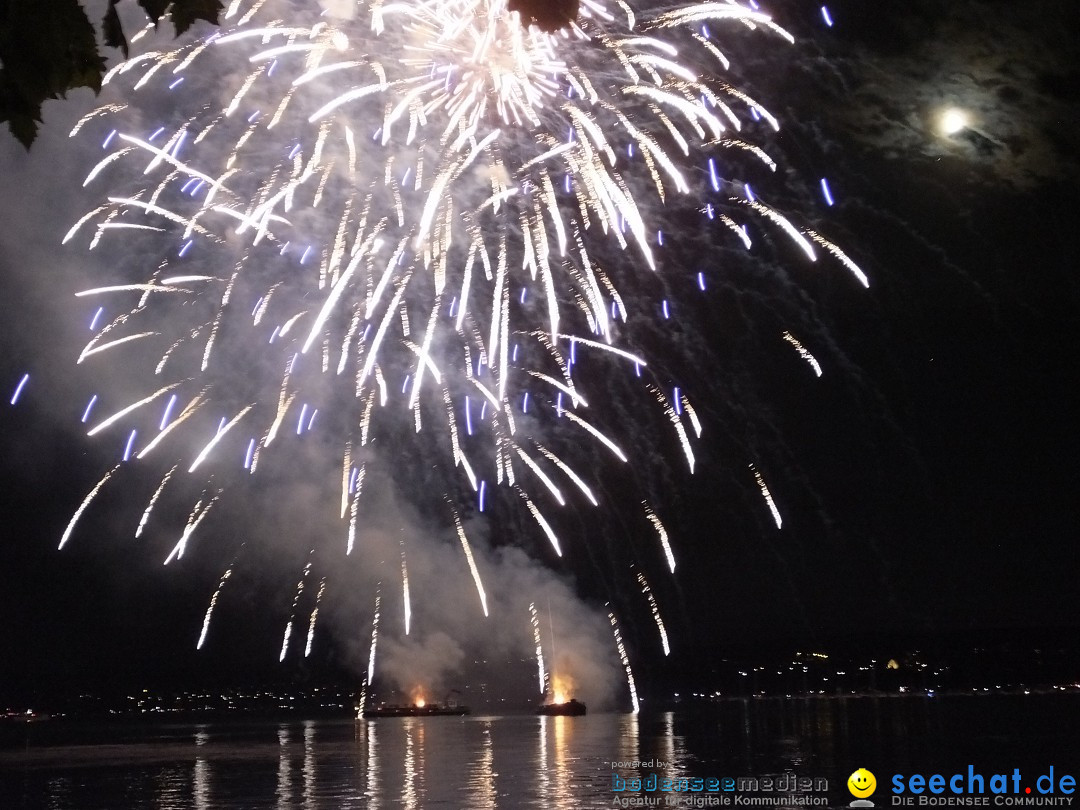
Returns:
(861,783)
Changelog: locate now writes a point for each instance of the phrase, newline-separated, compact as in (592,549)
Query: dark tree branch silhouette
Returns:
(50,47)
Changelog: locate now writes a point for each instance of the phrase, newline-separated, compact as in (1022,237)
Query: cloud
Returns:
(1008,66)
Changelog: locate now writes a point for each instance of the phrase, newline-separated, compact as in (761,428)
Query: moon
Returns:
(953,120)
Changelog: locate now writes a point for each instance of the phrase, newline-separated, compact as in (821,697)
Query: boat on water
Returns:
(569,708)
(415,710)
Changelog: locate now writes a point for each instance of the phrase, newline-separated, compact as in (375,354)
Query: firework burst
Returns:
(407,219)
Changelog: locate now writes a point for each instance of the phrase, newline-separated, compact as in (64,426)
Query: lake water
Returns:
(534,762)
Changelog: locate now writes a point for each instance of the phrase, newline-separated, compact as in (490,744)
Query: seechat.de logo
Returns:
(862,785)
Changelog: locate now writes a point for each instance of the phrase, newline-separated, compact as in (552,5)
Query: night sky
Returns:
(928,481)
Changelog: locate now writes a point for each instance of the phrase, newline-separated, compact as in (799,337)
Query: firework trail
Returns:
(803,353)
(673,412)
(470,559)
(405,589)
(357,481)
(691,414)
(374,637)
(292,612)
(198,515)
(661,532)
(314,618)
(213,602)
(625,662)
(767,496)
(153,500)
(409,217)
(647,591)
(82,507)
(841,256)
(19,388)
(535,620)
